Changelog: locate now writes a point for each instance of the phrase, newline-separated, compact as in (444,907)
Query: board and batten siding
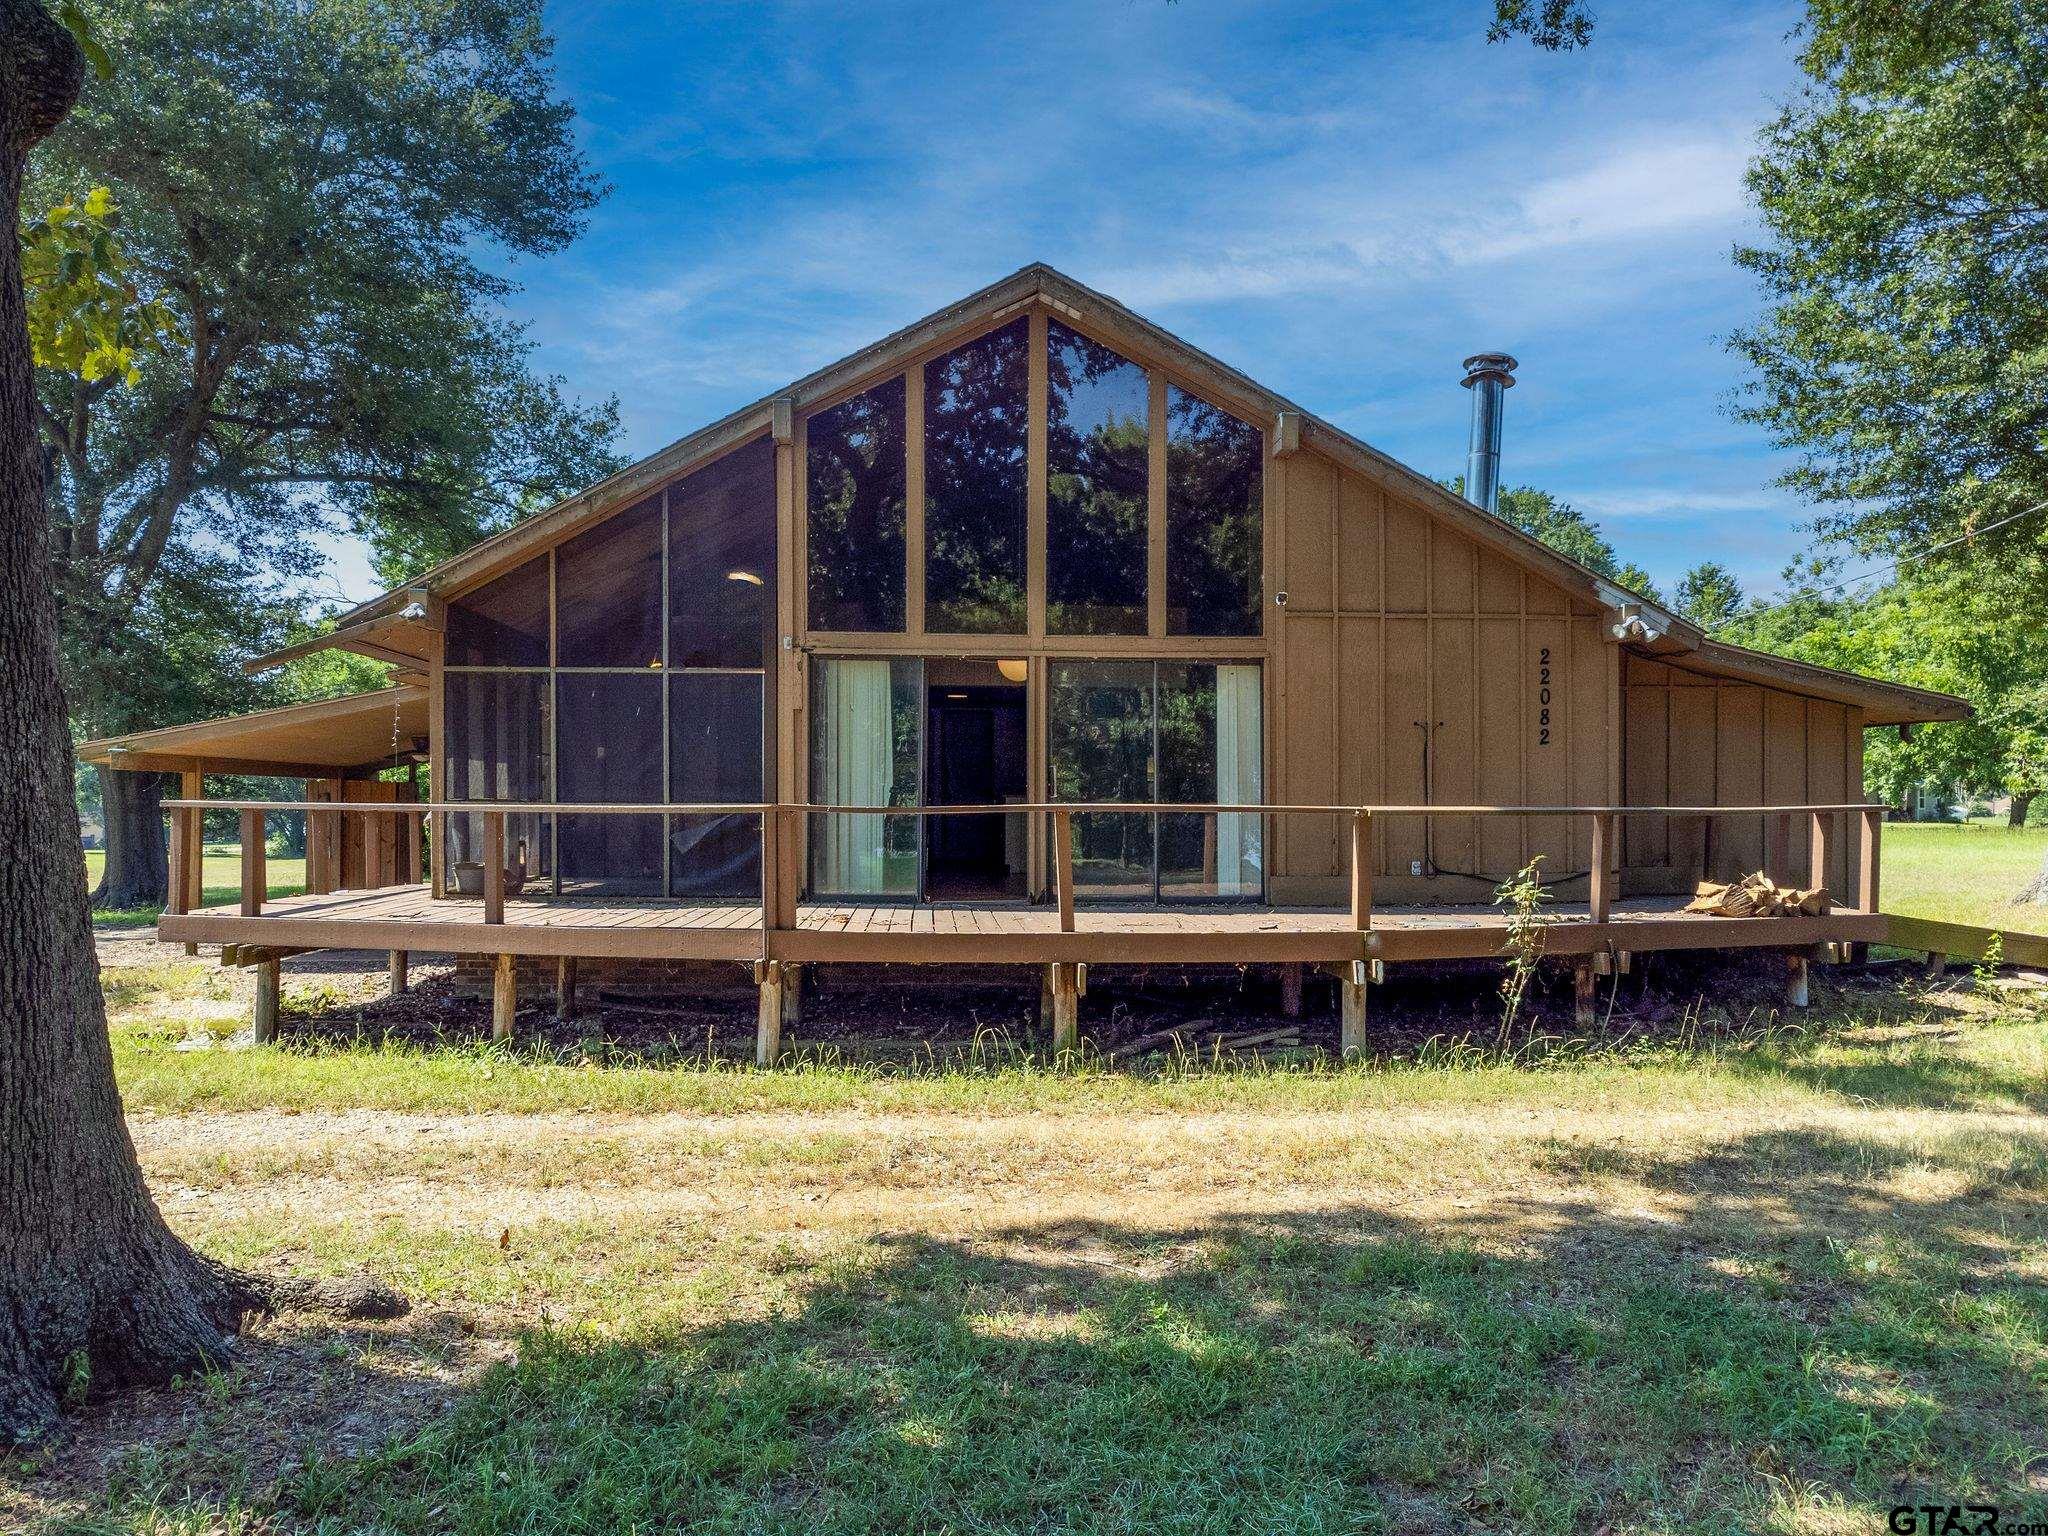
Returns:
(1692,739)
(1393,617)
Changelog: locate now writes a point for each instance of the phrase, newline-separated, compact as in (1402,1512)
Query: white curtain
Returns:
(1239,774)
(854,766)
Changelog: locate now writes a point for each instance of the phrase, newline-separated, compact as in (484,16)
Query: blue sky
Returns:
(1341,200)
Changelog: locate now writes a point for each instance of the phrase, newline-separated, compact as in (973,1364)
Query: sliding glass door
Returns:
(866,748)
(1161,732)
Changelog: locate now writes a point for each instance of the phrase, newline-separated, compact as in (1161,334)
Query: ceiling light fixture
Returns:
(1014,671)
(749,577)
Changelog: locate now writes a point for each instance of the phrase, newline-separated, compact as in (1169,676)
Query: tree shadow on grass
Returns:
(1696,1341)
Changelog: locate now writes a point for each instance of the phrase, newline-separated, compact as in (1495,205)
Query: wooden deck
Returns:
(408,918)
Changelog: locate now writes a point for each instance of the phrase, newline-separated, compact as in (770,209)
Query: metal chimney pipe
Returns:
(1488,375)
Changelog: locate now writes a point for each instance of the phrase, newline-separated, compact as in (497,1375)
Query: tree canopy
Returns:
(1904,350)
(1570,532)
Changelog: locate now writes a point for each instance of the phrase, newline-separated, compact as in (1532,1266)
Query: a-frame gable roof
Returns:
(1654,629)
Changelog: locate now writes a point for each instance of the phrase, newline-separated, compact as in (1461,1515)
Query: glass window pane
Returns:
(721,562)
(1215,467)
(975,404)
(865,750)
(503,623)
(1097,410)
(610,753)
(1101,736)
(608,592)
(1210,749)
(715,755)
(496,738)
(854,465)
(610,738)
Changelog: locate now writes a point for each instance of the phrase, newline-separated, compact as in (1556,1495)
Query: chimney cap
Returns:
(1489,365)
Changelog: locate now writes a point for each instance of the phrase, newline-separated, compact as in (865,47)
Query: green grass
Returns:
(220,878)
(1751,1276)
(1963,873)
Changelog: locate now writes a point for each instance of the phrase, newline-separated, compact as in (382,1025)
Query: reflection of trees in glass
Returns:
(1101,719)
(976,400)
(1096,454)
(1214,475)
(855,468)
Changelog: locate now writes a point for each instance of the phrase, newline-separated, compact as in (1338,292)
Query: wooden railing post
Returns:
(1361,870)
(1867,863)
(175,892)
(1063,867)
(415,847)
(1600,896)
(255,874)
(1818,851)
(789,856)
(771,873)
(494,866)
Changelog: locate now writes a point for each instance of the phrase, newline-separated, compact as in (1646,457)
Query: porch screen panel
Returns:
(609,753)
(855,501)
(721,562)
(1215,473)
(715,755)
(1101,738)
(1209,750)
(975,404)
(1097,462)
(865,750)
(503,623)
(608,592)
(496,729)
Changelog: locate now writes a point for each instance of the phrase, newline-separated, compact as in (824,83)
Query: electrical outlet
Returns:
(1415,866)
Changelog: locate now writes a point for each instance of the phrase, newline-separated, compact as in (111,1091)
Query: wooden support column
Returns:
(190,875)
(399,960)
(269,983)
(1066,1008)
(1871,832)
(1935,965)
(255,875)
(1601,893)
(768,975)
(1352,1002)
(565,987)
(494,866)
(176,891)
(1797,994)
(1063,867)
(1361,871)
(1290,989)
(504,996)
(1583,982)
(415,848)
(1818,854)
(792,994)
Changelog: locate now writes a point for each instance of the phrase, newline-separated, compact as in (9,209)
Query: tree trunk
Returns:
(95,1291)
(138,861)
(2035,891)
(2016,809)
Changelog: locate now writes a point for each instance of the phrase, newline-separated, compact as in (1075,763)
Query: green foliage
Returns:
(1556,25)
(1709,595)
(1523,896)
(1905,347)
(86,317)
(307,190)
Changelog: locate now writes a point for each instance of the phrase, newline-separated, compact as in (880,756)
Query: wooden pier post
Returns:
(1797,994)
(1352,1001)
(1583,1011)
(1290,988)
(768,975)
(255,871)
(269,983)
(399,959)
(1066,1008)
(565,987)
(504,993)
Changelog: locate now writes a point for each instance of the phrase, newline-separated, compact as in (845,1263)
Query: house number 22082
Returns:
(1543,696)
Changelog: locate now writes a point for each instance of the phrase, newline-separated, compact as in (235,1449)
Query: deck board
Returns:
(406,917)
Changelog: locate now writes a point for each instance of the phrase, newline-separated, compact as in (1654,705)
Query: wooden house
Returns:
(1037,556)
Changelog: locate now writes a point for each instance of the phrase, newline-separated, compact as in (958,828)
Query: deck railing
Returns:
(782,824)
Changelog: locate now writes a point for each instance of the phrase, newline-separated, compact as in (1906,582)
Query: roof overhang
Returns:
(323,739)
(1882,703)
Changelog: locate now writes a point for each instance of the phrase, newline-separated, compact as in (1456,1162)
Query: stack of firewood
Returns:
(1757,895)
